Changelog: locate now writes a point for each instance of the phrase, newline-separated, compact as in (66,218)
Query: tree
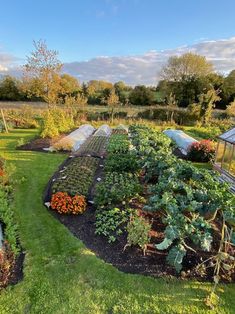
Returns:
(186,67)
(231,109)
(142,96)
(207,103)
(112,101)
(229,86)
(43,67)
(69,86)
(96,86)
(123,92)
(9,89)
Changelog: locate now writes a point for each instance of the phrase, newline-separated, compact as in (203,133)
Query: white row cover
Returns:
(103,130)
(182,140)
(78,136)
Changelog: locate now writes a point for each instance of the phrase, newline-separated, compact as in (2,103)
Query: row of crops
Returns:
(9,244)
(196,208)
(73,181)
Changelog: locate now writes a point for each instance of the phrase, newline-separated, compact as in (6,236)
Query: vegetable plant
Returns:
(77,177)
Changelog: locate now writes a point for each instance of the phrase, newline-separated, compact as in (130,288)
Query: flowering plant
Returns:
(202,151)
(66,204)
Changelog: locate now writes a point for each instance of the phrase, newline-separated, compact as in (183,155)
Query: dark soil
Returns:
(37,144)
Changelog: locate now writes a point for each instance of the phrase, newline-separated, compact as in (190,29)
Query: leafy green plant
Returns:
(118,143)
(127,162)
(188,198)
(138,230)
(109,222)
(117,188)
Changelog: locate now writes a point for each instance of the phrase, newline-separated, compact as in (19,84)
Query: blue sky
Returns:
(82,30)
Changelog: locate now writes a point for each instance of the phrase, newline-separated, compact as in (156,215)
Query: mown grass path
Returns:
(62,276)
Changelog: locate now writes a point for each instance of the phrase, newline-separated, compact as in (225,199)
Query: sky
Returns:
(116,40)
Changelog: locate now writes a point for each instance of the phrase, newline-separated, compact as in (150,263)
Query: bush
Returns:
(202,151)
(62,120)
(65,204)
(169,114)
(230,111)
(49,128)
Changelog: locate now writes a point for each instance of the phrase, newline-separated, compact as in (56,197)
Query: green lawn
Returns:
(62,276)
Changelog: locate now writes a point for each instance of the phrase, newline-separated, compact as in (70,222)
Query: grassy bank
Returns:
(62,276)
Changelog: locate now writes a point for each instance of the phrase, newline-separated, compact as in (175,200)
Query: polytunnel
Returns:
(103,130)
(77,137)
(182,140)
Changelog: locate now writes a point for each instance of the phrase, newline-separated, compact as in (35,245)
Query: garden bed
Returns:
(17,273)
(11,253)
(131,260)
(175,200)
(38,144)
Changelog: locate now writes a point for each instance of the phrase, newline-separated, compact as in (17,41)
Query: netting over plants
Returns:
(182,140)
(78,137)
(103,130)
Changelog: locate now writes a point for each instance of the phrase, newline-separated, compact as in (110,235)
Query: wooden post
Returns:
(4,121)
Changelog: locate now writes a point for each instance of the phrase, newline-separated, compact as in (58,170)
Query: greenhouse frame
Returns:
(225,154)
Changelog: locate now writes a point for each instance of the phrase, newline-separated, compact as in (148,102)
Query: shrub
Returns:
(202,151)
(49,128)
(138,232)
(65,204)
(62,120)
(231,109)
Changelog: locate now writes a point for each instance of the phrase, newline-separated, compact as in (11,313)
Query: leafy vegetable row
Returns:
(191,200)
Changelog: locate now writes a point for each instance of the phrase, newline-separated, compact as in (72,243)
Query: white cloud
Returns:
(145,69)
(8,63)
(140,69)
(3,68)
